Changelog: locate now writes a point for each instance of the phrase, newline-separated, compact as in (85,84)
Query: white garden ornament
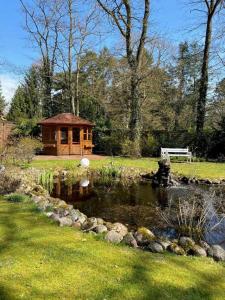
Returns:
(85,162)
(84,182)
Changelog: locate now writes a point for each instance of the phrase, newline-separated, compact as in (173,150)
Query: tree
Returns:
(43,23)
(123,17)
(212,7)
(26,103)
(2,101)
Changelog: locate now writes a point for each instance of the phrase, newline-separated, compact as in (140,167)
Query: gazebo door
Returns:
(64,148)
(75,140)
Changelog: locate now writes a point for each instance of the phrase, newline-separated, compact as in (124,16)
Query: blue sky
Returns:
(169,17)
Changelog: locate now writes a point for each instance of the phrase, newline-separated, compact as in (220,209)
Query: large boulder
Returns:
(113,237)
(100,229)
(204,245)
(164,243)
(65,221)
(89,224)
(146,234)
(186,243)
(197,251)
(77,216)
(130,240)
(174,248)
(217,252)
(155,247)
(120,228)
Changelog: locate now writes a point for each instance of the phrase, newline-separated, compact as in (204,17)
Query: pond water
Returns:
(139,204)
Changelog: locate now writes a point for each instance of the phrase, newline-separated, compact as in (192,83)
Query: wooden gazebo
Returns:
(66,134)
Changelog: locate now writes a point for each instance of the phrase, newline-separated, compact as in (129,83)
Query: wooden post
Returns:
(58,138)
(82,141)
(70,139)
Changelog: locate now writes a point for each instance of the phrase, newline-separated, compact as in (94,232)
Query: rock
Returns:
(109,225)
(165,244)
(155,247)
(146,233)
(130,240)
(217,252)
(197,251)
(113,237)
(100,221)
(120,228)
(204,245)
(65,221)
(62,204)
(100,229)
(174,248)
(77,216)
(89,224)
(55,217)
(186,243)
(76,225)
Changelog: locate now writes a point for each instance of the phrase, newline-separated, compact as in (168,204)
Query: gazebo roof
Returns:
(66,119)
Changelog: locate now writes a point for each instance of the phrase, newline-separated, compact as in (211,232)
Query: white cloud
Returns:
(9,84)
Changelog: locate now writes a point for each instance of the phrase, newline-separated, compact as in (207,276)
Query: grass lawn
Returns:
(200,169)
(39,260)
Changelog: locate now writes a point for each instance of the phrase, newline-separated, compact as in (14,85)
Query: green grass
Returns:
(198,169)
(39,260)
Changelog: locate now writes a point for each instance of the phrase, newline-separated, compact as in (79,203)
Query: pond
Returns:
(139,204)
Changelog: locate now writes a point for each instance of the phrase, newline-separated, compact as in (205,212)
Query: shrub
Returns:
(149,146)
(130,148)
(17,198)
(23,150)
(8,184)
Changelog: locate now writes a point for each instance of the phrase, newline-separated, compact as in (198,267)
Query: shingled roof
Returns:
(66,119)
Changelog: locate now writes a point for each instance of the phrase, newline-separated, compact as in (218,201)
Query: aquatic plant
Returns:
(192,217)
(45,179)
(110,171)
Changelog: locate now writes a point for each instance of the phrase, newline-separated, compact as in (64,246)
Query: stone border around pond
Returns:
(186,180)
(116,233)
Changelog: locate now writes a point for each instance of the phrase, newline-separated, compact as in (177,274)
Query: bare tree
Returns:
(211,7)
(133,29)
(43,23)
(76,31)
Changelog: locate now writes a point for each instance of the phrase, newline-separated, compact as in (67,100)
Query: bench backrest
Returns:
(174,150)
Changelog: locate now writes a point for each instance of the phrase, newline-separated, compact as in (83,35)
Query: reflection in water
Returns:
(138,204)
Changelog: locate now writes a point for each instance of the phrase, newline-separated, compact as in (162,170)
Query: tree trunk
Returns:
(203,89)
(135,113)
(77,88)
(70,58)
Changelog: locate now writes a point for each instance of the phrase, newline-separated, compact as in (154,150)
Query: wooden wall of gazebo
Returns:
(66,134)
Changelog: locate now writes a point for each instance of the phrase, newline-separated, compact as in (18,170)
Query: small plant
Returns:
(45,179)
(17,198)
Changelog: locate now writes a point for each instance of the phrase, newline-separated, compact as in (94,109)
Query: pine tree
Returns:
(26,101)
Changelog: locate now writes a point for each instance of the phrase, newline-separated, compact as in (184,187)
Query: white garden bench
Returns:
(168,152)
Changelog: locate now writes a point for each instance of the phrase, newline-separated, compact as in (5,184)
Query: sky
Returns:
(169,17)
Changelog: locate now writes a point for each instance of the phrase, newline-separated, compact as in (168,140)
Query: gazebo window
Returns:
(87,134)
(64,135)
(76,135)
